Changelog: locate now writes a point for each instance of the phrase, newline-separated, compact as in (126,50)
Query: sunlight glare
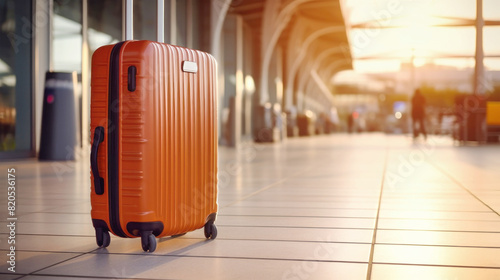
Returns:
(422,26)
(418,23)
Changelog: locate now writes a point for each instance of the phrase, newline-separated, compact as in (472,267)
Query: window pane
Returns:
(181,23)
(105,23)
(145,20)
(67,37)
(15,75)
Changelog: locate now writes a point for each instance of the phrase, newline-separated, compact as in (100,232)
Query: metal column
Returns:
(479,80)
(85,141)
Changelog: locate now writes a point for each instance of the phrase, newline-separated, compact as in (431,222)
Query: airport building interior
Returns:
(323,171)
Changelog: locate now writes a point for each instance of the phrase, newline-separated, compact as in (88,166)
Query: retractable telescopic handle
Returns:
(128,20)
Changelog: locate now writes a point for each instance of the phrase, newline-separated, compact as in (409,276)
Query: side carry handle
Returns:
(98,180)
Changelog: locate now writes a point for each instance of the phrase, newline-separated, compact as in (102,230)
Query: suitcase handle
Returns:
(98,180)
(128,20)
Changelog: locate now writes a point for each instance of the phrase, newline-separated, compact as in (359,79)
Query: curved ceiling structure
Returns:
(310,35)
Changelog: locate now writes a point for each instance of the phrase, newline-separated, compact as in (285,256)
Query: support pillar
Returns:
(479,80)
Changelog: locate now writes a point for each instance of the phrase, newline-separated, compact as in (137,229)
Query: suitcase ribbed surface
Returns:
(168,137)
(99,117)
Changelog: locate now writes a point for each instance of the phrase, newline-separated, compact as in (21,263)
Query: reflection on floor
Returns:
(366,206)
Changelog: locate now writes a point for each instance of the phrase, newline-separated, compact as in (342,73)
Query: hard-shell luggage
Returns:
(154,141)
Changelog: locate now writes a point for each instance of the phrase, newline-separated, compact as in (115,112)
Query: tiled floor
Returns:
(366,206)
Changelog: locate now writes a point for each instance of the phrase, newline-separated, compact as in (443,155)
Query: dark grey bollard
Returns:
(59,127)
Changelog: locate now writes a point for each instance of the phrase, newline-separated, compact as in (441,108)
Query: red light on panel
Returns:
(50,98)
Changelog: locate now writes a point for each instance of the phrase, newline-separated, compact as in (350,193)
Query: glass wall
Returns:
(145,20)
(181,24)
(103,26)
(16,33)
(184,26)
(104,23)
(67,36)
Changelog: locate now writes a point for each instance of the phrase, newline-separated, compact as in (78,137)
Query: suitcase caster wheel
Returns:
(102,237)
(148,241)
(210,230)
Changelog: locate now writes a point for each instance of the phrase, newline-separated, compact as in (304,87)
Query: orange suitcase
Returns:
(154,141)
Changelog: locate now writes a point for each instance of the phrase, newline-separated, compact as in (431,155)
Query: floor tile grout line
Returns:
(364,228)
(372,209)
(235,257)
(255,192)
(439,265)
(291,216)
(313,208)
(287,227)
(232,257)
(51,252)
(63,261)
(456,181)
(83,277)
(266,188)
(56,276)
(440,230)
(279,240)
(297,227)
(439,245)
(374,237)
(359,218)
(245,258)
(21,276)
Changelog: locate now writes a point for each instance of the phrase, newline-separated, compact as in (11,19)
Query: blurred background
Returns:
(287,68)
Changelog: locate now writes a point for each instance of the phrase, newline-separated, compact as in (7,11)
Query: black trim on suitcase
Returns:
(98,180)
(100,224)
(114,140)
(135,228)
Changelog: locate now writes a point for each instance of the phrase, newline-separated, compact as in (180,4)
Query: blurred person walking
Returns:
(418,114)
(350,123)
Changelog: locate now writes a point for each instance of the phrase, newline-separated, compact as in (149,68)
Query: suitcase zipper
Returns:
(113,141)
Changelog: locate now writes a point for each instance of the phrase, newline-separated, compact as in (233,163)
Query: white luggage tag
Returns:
(189,66)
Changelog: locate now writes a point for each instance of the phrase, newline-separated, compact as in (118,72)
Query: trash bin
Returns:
(59,127)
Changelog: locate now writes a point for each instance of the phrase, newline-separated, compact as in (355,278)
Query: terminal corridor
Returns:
(343,206)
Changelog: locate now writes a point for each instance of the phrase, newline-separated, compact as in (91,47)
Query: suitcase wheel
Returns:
(210,230)
(102,237)
(148,241)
